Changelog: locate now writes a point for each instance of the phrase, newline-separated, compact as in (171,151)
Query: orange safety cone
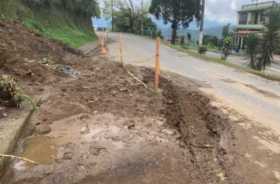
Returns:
(157,64)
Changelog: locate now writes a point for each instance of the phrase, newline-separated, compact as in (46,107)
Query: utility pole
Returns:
(201,28)
(112,14)
(142,17)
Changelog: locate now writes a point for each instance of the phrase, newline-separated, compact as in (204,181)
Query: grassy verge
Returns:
(68,34)
(50,22)
(194,53)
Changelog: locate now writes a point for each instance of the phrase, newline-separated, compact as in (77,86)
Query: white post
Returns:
(201,29)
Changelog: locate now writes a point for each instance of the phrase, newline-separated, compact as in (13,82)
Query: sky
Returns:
(222,11)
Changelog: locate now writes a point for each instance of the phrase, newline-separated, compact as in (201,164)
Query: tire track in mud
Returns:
(205,131)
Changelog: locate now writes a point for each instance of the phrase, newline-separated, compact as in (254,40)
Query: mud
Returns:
(108,128)
(111,129)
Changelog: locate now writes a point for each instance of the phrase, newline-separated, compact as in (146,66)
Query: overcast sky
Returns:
(221,10)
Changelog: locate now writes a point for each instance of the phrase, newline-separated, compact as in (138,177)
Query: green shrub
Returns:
(202,49)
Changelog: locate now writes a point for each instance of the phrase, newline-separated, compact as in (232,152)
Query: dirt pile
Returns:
(26,55)
(106,125)
(32,59)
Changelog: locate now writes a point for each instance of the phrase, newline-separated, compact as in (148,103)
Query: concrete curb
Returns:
(10,131)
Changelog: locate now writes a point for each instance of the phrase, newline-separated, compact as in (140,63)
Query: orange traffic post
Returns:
(157,64)
(103,49)
(121,48)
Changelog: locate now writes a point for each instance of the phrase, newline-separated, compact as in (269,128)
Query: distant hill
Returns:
(213,28)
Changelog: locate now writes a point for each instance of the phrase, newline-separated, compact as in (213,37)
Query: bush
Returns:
(202,49)
(227,46)
(9,91)
(252,49)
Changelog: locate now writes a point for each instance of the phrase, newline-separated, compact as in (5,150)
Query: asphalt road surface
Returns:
(252,96)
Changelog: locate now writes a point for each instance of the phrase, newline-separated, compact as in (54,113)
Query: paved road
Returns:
(250,95)
(274,69)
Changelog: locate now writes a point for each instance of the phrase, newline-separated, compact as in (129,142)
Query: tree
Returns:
(177,12)
(252,49)
(271,39)
(132,17)
(211,41)
(226,31)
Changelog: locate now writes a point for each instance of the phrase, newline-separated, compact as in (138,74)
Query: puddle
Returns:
(40,149)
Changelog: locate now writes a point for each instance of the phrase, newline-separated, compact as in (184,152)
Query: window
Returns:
(243,18)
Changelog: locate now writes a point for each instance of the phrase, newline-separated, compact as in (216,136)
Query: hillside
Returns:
(67,21)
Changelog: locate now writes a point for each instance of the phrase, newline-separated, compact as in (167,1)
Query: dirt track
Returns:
(105,127)
(107,124)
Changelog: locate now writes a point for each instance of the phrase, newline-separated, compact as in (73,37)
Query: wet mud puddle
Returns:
(41,149)
(105,149)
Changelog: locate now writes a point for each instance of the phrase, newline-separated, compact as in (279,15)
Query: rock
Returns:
(96,150)
(43,129)
(131,126)
(85,130)
(168,131)
(84,117)
(170,102)
(5,114)
(37,123)
(44,61)
(68,156)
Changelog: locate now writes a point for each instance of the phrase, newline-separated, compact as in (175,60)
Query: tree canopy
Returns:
(177,12)
(84,8)
(271,39)
(129,16)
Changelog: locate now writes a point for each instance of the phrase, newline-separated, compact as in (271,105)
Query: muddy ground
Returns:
(97,124)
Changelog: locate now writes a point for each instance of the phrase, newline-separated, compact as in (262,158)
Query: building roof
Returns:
(258,6)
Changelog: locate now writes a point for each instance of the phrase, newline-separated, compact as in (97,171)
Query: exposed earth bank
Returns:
(97,124)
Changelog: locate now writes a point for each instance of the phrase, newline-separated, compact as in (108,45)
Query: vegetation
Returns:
(227,46)
(253,49)
(193,53)
(202,49)
(211,40)
(226,31)
(10,93)
(271,39)
(66,20)
(130,17)
(178,13)
(261,47)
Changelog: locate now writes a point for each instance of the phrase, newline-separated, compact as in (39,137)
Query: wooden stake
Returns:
(20,158)
(157,64)
(121,48)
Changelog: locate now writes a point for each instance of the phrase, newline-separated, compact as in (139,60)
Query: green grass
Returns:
(68,34)
(49,22)
(204,57)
